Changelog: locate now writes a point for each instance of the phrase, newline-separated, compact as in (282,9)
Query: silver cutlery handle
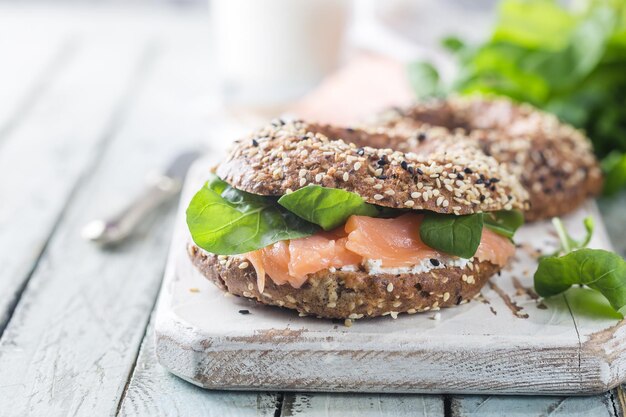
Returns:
(116,228)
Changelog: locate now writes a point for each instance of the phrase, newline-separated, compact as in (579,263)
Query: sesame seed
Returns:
(436,316)
(389,287)
(393,314)
(440,200)
(378,197)
(409,203)
(357,166)
(360,151)
(331,305)
(377,186)
(244,312)
(434,262)
(255,143)
(390,192)
(194,290)
(319,177)
(415,194)
(446,296)
(302,173)
(347,323)
(346,176)
(397,304)
(302,182)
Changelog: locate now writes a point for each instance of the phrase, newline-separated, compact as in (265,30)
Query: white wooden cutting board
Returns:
(505,341)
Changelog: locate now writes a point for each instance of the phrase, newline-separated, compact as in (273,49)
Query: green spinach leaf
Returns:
(454,235)
(598,269)
(504,222)
(227,221)
(326,207)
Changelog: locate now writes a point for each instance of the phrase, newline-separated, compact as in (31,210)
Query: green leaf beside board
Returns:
(573,264)
(227,221)
(598,269)
(326,207)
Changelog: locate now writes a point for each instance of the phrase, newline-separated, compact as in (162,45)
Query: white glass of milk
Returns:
(269,52)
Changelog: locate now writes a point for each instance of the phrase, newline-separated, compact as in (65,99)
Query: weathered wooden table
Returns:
(90,100)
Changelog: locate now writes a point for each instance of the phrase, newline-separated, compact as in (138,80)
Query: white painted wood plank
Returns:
(30,60)
(504,406)
(42,159)
(361,405)
(74,337)
(155,392)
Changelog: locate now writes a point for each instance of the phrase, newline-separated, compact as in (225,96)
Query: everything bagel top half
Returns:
(298,218)
(554,161)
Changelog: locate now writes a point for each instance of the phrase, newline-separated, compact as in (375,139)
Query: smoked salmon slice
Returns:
(395,242)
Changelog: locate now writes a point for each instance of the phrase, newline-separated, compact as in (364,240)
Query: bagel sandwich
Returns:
(553,160)
(297,217)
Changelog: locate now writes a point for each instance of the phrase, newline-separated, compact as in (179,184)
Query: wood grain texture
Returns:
(72,342)
(504,406)
(28,70)
(153,391)
(361,405)
(50,152)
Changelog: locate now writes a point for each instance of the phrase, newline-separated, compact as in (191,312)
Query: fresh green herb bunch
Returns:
(569,62)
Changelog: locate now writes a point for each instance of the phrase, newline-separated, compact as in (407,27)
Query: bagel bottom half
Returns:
(349,295)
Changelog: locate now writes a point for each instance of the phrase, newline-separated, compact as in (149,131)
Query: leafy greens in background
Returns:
(227,221)
(460,235)
(573,264)
(570,63)
(327,207)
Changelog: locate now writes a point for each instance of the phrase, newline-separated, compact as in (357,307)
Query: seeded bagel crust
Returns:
(451,176)
(349,295)
(553,160)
